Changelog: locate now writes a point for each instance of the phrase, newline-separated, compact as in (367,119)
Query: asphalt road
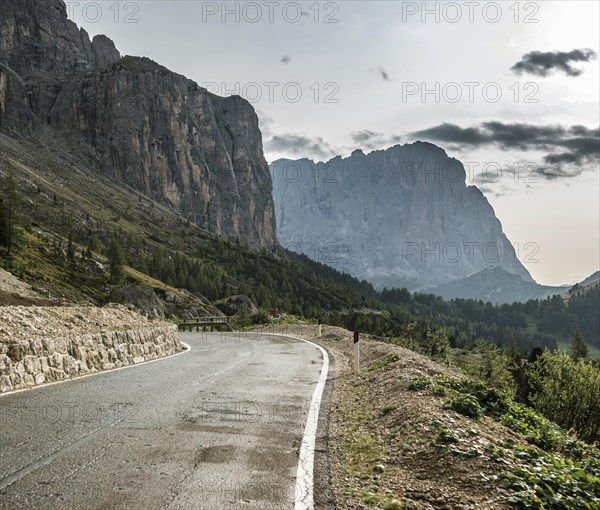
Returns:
(218,427)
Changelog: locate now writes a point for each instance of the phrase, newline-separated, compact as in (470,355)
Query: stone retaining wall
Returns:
(25,363)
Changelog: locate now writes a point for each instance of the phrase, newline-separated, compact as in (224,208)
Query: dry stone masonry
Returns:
(45,344)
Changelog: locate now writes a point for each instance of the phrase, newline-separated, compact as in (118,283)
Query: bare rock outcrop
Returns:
(237,305)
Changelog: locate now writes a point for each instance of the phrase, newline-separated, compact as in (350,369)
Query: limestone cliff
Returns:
(403,217)
(135,121)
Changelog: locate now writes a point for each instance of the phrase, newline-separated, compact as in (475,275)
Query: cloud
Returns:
(364,136)
(569,148)
(265,123)
(503,191)
(300,145)
(544,64)
(552,173)
(285,59)
(368,139)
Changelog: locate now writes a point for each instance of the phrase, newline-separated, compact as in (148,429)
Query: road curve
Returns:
(219,427)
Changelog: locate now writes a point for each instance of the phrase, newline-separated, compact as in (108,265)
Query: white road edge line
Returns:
(304,490)
(100,372)
(306,458)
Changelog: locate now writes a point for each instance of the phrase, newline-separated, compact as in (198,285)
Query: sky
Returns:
(508,88)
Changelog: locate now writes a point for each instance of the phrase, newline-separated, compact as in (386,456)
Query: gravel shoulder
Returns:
(380,437)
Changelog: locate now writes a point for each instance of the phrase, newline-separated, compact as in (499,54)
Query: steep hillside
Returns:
(134,121)
(403,217)
(69,217)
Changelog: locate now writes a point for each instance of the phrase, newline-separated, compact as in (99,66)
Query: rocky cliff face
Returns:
(135,121)
(403,217)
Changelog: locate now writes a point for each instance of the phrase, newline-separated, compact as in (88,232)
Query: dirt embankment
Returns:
(381,441)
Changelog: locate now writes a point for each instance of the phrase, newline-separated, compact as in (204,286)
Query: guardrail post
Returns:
(356,352)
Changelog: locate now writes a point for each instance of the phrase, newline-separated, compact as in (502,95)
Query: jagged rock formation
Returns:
(134,120)
(403,217)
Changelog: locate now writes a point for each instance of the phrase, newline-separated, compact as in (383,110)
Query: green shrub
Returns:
(388,408)
(493,401)
(436,344)
(445,436)
(491,365)
(467,405)
(421,383)
(261,317)
(567,392)
(543,481)
(535,428)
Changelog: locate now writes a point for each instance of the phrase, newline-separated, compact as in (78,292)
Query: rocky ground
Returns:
(16,292)
(382,443)
(29,323)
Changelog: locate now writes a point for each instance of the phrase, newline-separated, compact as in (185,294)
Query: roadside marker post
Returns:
(356,351)
(319,329)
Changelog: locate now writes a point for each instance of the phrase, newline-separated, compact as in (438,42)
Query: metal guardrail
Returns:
(205,322)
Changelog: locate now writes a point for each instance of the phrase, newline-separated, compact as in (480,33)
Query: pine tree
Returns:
(115,262)
(512,350)
(3,223)
(10,214)
(579,349)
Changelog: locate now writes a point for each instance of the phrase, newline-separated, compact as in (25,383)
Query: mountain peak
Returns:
(134,121)
(400,217)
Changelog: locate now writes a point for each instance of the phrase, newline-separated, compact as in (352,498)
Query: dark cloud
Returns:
(552,173)
(368,139)
(300,145)
(564,157)
(546,63)
(365,135)
(451,133)
(285,59)
(569,148)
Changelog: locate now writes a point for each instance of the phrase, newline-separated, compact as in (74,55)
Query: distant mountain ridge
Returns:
(593,278)
(496,286)
(134,121)
(401,217)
